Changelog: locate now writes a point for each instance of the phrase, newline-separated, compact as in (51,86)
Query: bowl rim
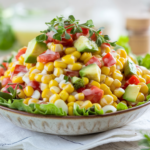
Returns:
(73,117)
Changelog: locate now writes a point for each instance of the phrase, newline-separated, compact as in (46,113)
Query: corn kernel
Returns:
(140,97)
(57,47)
(119,92)
(7,73)
(114,97)
(17,79)
(139,71)
(21,60)
(55,89)
(68,88)
(63,95)
(70,104)
(58,71)
(115,104)
(109,81)
(85,55)
(70,50)
(142,79)
(122,53)
(28,91)
(46,78)
(25,101)
(124,102)
(59,64)
(54,98)
(146,77)
(116,84)
(2,77)
(31,69)
(98,52)
(95,83)
(45,99)
(76,54)
(33,101)
(79,96)
(117,75)
(21,93)
(144,88)
(98,106)
(10,65)
(49,45)
(122,60)
(32,76)
(53,83)
(68,59)
(107,49)
(80,103)
(86,104)
(119,64)
(49,66)
(40,66)
(46,93)
(70,111)
(43,86)
(85,80)
(106,100)
(38,77)
(112,69)
(105,70)
(71,98)
(102,78)
(75,66)
(106,89)
(28,65)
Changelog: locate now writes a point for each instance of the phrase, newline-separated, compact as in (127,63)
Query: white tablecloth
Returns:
(13,137)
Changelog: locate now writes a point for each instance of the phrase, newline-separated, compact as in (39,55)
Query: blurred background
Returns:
(125,21)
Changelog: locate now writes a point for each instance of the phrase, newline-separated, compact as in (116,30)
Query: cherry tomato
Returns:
(109,60)
(94,60)
(20,52)
(94,94)
(2,71)
(71,73)
(5,81)
(48,56)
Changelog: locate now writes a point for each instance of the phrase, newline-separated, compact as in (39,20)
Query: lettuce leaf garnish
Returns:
(121,106)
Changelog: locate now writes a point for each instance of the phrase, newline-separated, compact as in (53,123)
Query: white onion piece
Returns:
(44,72)
(21,74)
(43,86)
(36,94)
(36,71)
(26,79)
(109,108)
(61,104)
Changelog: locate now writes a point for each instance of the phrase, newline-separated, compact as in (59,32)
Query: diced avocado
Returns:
(131,92)
(91,71)
(83,44)
(130,68)
(34,49)
(77,82)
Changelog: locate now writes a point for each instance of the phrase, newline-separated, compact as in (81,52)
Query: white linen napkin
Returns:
(13,137)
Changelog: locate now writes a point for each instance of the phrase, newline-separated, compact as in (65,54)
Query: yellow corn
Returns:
(46,93)
(44,86)
(63,95)
(116,84)
(98,106)
(124,102)
(146,77)
(54,98)
(75,66)
(7,73)
(112,69)
(122,53)
(21,94)
(142,79)
(140,97)
(79,96)
(68,59)
(21,60)
(117,75)
(28,65)
(59,64)
(106,100)
(47,78)
(55,89)
(70,111)
(98,52)
(80,103)
(70,50)
(53,83)
(38,77)
(49,45)
(31,69)
(95,83)
(122,60)
(26,101)
(17,79)
(33,100)
(70,104)
(45,99)
(115,104)
(2,77)
(69,88)
(106,89)
(10,64)
(109,81)
(119,92)
(40,66)
(114,97)
(71,98)
(85,56)
(85,80)
(102,78)
(139,71)
(57,47)
(86,104)
(49,66)
(105,70)
(107,49)
(144,88)
(32,76)
(119,64)
(133,59)
(58,71)
(76,54)
(28,91)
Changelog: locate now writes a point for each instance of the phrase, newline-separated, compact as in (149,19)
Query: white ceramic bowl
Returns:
(73,125)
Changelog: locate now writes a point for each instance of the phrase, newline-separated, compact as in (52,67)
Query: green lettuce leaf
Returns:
(121,106)
(147,99)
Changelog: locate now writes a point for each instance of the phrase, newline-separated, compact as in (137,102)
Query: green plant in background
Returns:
(122,42)
(7,38)
(145,142)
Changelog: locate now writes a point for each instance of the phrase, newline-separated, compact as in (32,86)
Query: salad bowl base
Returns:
(73,125)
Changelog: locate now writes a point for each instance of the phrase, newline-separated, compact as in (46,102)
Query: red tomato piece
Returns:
(48,56)
(133,80)
(93,37)
(109,60)
(2,71)
(50,36)
(94,60)
(94,94)
(34,84)
(80,89)
(148,82)
(20,52)
(5,81)
(5,64)
(69,30)
(71,73)
(20,68)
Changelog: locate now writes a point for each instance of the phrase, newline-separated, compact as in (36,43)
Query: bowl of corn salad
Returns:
(69,80)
